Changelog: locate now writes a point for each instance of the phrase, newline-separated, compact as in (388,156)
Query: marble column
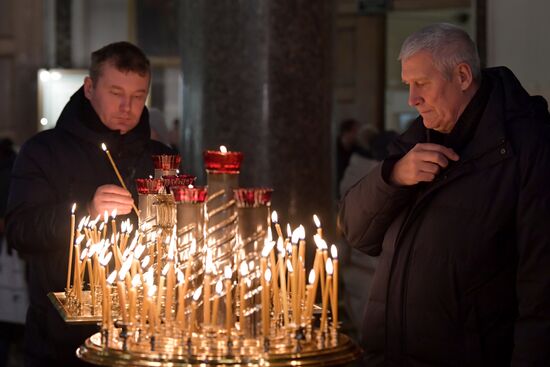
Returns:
(256,76)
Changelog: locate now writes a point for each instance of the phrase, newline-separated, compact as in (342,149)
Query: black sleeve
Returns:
(38,215)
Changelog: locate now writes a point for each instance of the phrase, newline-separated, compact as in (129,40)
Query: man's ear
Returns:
(464,75)
(88,87)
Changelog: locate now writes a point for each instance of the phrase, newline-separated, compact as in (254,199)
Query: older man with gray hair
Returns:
(459,215)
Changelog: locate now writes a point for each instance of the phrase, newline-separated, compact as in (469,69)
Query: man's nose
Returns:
(414,97)
(125,104)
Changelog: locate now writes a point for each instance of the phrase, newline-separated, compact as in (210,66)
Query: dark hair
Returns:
(123,55)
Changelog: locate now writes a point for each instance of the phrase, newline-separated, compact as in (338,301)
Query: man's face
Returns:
(118,97)
(438,100)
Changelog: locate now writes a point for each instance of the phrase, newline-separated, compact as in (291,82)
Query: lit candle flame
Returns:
(321,244)
(267,275)
(197,294)
(311,278)
(223,149)
(317,221)
(296,235)
(219,287)
(139,251)
(289,266)
(228,273)
(334,251)
(243,269)
(190,186)
(105,216)
(124,268)
(165,269)
(136,281)
(208,261)
(145,262)
(79,239)
(268,246)
(288,230)
(274,217)
(181,277)
(113,213)
(112,277)
(73,208)
(152,290)
(280,246)
(107,258)
(269,234)
(329,267)
(104,147)
(83,254)
(302,232)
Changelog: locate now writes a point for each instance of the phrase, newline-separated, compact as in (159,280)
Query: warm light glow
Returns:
(267,275)
(274,217)
(104,147)
(197,294)
(190,186)
(223,149)
(228,273)
(73,208)
(81,224)
(113,213)
(219,287)
(311,278)
(112,277)
(43,121)
(329,266)
(288,230)
(317,221)
(334,251)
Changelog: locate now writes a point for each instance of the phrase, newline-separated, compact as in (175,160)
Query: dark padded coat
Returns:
(54,169)
(464,271)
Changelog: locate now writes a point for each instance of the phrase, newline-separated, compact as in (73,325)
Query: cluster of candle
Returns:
(167,294)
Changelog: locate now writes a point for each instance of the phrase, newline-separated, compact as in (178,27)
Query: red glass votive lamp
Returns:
(178,180)
(166,162)
(253,197)
(146,186)
(222,162)
(186,194)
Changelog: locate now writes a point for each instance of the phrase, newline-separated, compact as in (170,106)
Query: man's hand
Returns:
(421,164)
(109,197)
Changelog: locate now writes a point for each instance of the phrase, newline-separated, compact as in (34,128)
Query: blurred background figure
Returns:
(347,141)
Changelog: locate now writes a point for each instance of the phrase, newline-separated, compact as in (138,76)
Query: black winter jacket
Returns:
(464,271)
(54,169)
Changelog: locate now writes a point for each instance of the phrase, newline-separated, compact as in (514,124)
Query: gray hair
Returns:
(448,45)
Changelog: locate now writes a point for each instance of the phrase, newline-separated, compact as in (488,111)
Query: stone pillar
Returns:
(256,78)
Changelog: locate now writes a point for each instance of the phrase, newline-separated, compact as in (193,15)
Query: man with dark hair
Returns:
(66,165)
(458,214)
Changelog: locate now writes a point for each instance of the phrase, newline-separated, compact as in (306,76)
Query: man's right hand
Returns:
(110,197)
(421,164)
